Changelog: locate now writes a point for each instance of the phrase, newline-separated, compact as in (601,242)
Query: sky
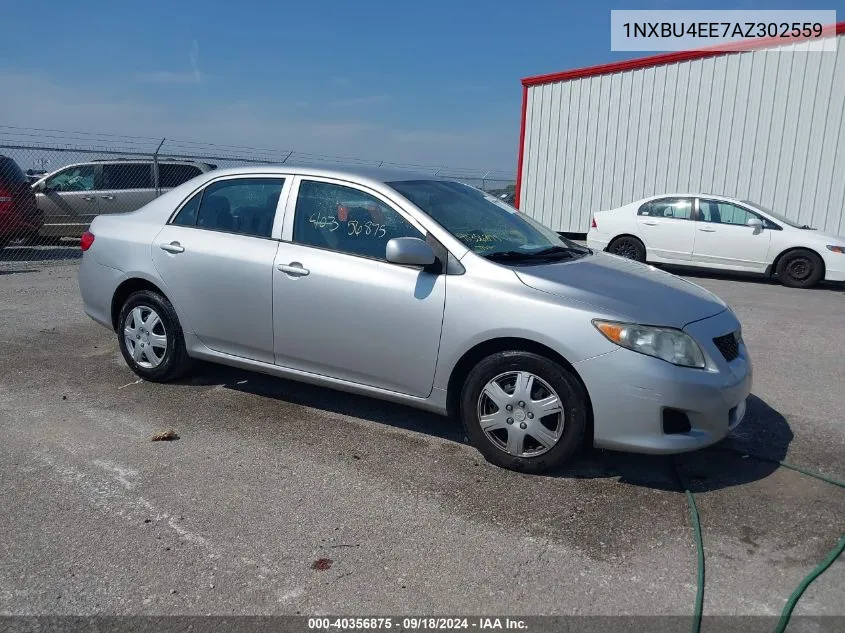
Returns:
(428,83)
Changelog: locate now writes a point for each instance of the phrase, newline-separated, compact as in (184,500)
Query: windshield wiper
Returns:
(553,252)
(558,250)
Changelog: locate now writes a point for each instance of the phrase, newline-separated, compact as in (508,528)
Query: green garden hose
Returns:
(786,614)
(799,590)
(699,545)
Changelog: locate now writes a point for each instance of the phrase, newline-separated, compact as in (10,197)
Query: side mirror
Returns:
(410,251)
(756,224)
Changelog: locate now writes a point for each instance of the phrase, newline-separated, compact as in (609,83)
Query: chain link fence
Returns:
(50,193)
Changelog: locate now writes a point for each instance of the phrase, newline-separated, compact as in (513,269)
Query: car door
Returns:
(724,239)
(125,186)
(667,229)
(216,259)
(68,200)
(339,308)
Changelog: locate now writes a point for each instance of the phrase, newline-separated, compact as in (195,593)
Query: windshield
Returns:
(776,216)
(485,224)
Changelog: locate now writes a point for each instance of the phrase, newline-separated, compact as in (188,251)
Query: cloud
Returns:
(195,76)
(194,56)
(360,101)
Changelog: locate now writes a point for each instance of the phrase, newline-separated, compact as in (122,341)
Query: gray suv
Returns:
(72,196)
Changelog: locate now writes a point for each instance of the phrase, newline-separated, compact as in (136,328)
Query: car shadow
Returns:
(28,253)
(764,433)
(763,280)
(18,272)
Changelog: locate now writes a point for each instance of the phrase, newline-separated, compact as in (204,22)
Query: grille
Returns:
(728,345)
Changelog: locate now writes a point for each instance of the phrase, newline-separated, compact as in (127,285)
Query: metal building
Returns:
(762,124)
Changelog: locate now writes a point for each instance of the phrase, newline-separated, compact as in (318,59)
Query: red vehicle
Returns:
(19,214)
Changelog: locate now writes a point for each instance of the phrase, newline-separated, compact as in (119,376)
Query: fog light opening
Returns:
(675,421)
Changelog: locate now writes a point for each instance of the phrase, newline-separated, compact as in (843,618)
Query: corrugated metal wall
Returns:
(764,125)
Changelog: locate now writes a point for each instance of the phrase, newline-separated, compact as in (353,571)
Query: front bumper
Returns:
(630,392)
(834,266)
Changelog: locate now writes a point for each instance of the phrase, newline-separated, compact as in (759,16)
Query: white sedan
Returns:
(707,231)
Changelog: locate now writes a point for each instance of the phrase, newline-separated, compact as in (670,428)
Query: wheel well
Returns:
(124,290)
(626,235)
(474,355)
(774,265)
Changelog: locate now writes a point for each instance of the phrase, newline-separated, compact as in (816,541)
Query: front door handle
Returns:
(708,230)
(294,268)
(107,197)
(89,198)
(173,247)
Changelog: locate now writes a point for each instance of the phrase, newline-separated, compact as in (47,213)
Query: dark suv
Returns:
(19,214)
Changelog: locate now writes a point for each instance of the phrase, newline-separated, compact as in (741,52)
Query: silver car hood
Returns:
(637,291)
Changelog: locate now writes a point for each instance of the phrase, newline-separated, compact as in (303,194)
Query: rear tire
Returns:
(151,339)
(628,247)
(544,427)
(800,268)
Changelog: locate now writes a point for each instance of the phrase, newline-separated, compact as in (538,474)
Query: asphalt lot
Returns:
(268,476)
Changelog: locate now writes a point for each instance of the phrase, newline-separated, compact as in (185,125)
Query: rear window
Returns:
(172,175)
(127,176)
(10,173)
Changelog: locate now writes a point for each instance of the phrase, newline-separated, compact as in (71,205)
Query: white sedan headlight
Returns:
(669,344)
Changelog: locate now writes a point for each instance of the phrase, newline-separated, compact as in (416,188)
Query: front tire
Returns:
(800,268)
(151,338)
(628,247)
(524,412)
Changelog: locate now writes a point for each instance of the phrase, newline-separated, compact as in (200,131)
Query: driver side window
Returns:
(80,178)
(725,213)
(347,220)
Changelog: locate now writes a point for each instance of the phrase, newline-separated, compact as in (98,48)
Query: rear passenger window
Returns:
(677,208)
(187,215)
(240,205)
(172,175)
(128,176)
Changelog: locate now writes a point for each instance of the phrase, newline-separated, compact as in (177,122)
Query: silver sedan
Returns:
(423,291)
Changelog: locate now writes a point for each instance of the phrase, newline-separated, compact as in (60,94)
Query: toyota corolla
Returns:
(423,291)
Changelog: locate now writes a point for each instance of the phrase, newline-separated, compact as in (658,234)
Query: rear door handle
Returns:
(173,247)
(89,198)
(294,268)
(708,230)
(107,197)
(651,222)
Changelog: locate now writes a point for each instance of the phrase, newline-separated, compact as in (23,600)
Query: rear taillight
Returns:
(86,240)
(594,225)
(5,199)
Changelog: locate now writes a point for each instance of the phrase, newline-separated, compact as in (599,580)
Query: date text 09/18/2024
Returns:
(415,623)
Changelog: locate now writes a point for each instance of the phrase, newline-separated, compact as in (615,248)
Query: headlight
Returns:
(668,344)
(836,249)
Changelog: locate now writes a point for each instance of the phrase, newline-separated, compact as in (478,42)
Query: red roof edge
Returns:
(518,188)
(676,56)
